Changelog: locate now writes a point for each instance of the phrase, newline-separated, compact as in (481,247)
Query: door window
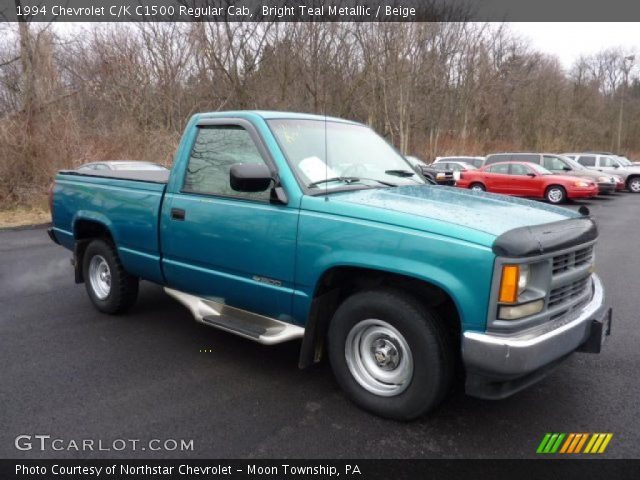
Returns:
(553,163)
(216,149)
(519,170)
(525,157)
(587,160)
(607,162)
(502,168)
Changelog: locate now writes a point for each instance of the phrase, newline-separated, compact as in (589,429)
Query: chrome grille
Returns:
(570,260)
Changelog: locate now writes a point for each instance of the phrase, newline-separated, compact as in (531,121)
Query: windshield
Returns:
(330,155)
(624,161)
(539,169)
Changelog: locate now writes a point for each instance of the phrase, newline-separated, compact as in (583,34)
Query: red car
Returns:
(524,179)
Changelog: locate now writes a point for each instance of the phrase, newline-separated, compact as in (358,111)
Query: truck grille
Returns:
(570,260)
(566,293)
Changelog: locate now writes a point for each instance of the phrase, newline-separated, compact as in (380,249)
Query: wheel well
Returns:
(631,177)
(338,283)
(90,229)
(476,183)
(84,231)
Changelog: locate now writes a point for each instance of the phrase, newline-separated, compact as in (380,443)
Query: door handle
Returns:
(178,214)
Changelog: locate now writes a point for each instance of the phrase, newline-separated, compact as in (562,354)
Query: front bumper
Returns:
(582,192)
(606,187)
(499,365)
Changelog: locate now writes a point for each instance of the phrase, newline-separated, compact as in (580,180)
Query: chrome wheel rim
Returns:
(477,188)
(379,358)
(100,277)
(634,185)
(555,195)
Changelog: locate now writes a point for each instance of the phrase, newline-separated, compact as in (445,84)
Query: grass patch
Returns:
(19,216)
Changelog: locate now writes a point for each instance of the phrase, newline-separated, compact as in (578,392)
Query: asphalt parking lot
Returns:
(73,373)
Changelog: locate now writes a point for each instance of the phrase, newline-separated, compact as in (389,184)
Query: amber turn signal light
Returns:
(509,284)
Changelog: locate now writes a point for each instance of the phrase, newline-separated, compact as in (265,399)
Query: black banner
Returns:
(301,469)
(316,10)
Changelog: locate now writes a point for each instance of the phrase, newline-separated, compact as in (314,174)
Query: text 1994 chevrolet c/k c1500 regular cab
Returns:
(401,283)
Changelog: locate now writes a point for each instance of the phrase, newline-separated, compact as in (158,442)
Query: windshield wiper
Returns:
(400,173)
(349,180)
(334,179)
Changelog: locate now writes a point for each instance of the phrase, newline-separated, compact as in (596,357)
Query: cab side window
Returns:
(215,150)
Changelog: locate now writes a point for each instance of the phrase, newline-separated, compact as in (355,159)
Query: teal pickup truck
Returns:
(282,226)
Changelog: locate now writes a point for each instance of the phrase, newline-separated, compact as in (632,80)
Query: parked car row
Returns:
(550,176)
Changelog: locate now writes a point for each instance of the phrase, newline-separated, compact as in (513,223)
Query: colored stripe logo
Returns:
(573,443)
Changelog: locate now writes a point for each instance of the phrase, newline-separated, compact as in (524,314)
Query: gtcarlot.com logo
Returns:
(45,443)
(573,443)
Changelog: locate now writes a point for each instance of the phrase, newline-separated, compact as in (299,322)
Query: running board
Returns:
(258,328)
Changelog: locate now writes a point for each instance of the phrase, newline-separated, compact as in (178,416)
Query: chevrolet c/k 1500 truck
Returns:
(280,226)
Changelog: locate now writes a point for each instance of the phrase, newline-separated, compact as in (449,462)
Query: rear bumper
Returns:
(500,365)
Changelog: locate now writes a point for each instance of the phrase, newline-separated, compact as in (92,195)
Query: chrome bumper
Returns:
(512,356)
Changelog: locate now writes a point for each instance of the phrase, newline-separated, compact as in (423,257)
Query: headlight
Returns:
(604,179)
(581,183)
(523,279)
(519,311)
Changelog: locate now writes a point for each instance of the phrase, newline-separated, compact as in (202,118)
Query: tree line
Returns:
(114,91)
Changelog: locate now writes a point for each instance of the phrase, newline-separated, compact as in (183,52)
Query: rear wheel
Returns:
(633,184)
(390,354)
(556,194)
(110,288)
(477,187)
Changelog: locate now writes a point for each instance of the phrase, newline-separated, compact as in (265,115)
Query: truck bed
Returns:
(127,202)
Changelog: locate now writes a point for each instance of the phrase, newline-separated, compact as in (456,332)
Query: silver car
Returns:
(610,164)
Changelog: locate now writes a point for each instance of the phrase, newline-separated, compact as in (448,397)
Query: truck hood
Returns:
(448,210)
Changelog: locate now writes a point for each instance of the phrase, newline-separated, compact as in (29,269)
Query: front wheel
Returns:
(555,194)
(477,187)
(390,354)
(110,288)
(633,185)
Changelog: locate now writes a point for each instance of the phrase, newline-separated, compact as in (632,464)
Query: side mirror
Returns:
(566,169)
(250,177)
(615,165)
(531,174)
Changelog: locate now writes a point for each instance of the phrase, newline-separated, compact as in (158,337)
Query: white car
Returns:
(121,165)
(475,161)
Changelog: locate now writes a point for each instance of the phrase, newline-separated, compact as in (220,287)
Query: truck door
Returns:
(232,247)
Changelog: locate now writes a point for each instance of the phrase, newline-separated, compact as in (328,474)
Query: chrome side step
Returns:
(258,328)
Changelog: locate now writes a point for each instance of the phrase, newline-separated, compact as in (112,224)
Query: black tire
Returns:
(432,355)
(633,184)
(477,186)
(123,290)
(555,194)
